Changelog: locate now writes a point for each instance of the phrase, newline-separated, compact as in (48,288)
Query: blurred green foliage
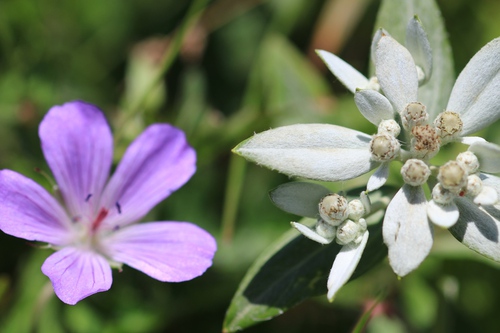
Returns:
(243,66)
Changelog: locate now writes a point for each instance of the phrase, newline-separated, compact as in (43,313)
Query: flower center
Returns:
(425,142)
(453,176)
(415,172)
(448,125)
(413,115)
(384,147)
(98,220)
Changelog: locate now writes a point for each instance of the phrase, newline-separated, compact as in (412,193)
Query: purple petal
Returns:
(156,164)
(166,251)
(28,211)
(77,273)
(78,146)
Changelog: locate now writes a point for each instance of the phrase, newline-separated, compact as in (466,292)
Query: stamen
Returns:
(100,217)
(118,207)
(88,197)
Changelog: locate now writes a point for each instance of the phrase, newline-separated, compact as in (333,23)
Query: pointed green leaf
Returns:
(394,16)
(299,198)
(288,272)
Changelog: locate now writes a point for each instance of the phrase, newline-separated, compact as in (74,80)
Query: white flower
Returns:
(406,229)
(343,222)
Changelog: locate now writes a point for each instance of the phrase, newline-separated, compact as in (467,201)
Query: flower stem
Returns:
(45,295)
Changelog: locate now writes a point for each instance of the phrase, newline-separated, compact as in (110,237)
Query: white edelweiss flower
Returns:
(460,179)
(341,221)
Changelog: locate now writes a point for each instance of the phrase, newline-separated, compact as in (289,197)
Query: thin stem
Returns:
(45,295)
(235,179)
(179,35)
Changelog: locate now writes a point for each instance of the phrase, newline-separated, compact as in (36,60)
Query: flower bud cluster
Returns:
(341,220)
(460,178)
(384,145)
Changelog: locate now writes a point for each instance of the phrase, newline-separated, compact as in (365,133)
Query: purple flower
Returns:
(97,226)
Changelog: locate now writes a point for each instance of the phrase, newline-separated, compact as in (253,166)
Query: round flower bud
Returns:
(441,195)
(469,161)
(389,126)
(347,232)
(415,172)
(384,147)
(325,230)
(453,176)
(413,115)
(356,209)
(474,185)
(373,84)
(333,209)
(448,125)
(425,142)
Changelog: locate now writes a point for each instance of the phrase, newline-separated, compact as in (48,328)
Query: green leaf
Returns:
(291,270)
(299,198)
(394,16)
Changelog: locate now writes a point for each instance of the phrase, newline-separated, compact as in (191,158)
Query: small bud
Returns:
(448,125)
(384,147)
(347,232)
(325,230)
(413,115)
(441,195)
(356,209)
(415,172)
(469,161)
(425,142)
(389,126)
(333,209)
(453,176)
(373,84)
(474,185)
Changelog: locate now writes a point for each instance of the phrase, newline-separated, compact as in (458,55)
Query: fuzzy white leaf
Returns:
(488,155)
(314,151)
(396,73)
(379,178)
(373,105)
(345,73)
(311,234)
(406,230)
(488,196)
(477,89)
(344,265)
(418,45)
(478,228)
(442,215)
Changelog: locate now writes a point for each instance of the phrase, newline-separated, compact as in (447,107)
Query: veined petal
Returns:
(77,273)
(374,106)
(478,228)
(488,155)
(344,265)
(406,229)
(396,73)
(418,45)
(313,151)
(78,146)
(378,179)
(156,164)
(442,215)
(476,91)
(311,234)
(346,74)
(166,251)
(28,211)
